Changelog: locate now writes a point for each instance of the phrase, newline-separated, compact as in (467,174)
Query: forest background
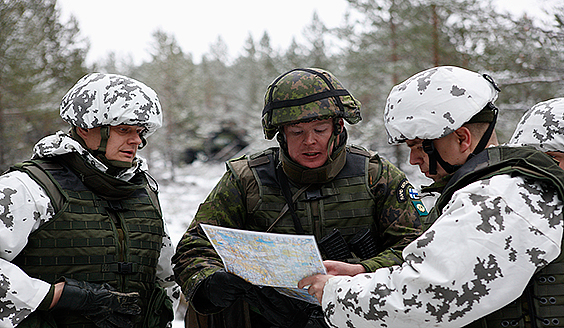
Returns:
(379,44)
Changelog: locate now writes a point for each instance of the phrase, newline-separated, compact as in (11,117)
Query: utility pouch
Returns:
(334,247)
(363,244)
(159,309)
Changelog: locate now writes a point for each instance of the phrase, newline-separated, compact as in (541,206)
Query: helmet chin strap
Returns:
(338,130)
(334,141)
(487,135)
(104,137)
(114,167)
(434,156)
(327,171)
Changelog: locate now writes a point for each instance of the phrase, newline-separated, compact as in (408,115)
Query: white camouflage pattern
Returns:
(542,127)
(435,102)
(477,257)
(24,207)
(108,99)
(61,143)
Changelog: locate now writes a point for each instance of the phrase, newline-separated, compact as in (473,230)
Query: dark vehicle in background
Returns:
(219,146)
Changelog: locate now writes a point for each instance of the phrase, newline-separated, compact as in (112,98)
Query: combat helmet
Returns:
(542,127)
(303,95)
(104,100)
(436,102)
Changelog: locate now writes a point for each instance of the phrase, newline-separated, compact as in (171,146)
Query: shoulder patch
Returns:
(407,192)
(420,207)
(402,192)
(416,201)
(413,194)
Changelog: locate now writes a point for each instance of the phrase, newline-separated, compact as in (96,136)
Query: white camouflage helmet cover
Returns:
(100,99)
(542,127)
(435,102)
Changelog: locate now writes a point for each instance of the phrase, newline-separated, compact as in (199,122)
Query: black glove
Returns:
(223,288)
(102,304)
(278,309)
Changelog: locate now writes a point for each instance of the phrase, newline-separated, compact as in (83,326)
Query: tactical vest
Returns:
(542,303)
(94,239)
(345,203)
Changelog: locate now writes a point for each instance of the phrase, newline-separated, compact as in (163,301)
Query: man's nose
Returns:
(135,138)
(309,138)
(415,157)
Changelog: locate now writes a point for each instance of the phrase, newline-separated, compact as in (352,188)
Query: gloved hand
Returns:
(223,288)
(102,304)
(278,309)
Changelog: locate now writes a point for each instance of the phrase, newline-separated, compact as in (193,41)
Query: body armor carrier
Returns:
(345,203)
(93,239)
(541,305)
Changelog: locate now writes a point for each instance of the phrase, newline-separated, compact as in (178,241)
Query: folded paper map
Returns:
(268,259)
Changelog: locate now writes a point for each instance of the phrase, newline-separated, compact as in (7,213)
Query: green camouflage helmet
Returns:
(303,95)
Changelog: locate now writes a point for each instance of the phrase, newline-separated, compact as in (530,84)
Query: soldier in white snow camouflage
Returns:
(124,101)
(542,127)
(409,102)
(495,230)
(82,238)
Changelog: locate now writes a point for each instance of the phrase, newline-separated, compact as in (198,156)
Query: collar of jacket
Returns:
(304,175)
(103,184)
(437,186)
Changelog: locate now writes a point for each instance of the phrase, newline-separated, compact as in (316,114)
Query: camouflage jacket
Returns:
(493,232)
(395,216)
(27,206)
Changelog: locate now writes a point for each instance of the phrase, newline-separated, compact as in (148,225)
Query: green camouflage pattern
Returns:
(395,215)
(298,84)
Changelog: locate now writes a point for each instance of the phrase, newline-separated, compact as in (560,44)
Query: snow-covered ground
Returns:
(180,200)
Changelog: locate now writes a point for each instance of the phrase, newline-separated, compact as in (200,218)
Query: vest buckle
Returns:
(115,205)
(125,267)
(312,195)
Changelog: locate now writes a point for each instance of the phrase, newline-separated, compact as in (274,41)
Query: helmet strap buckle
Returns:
(104,137)
(434,157)
(429,149)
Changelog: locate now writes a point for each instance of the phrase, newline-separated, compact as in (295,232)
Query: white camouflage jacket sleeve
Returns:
(477,257)
(165,275)
(24,206)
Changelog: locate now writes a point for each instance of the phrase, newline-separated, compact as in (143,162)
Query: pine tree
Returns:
(40,59)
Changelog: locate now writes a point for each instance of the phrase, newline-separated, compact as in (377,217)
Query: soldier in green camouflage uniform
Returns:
(361,208)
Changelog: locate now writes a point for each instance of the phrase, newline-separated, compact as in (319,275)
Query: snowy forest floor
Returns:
(180,200)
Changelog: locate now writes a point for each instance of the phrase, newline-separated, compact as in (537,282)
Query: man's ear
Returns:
(464,138)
